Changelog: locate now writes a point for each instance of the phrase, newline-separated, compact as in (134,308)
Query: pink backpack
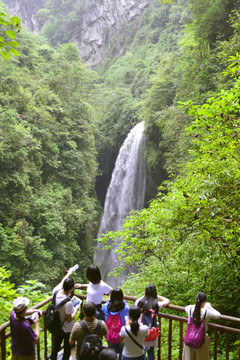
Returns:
(195,335)
(114,324)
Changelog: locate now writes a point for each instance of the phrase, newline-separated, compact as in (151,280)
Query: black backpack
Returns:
(92,343)
(51,316)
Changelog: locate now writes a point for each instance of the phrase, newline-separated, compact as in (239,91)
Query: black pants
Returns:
(57,341)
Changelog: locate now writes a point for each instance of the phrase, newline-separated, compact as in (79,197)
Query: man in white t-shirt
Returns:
(67,313)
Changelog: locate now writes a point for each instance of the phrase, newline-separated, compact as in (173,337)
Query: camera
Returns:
(34,316)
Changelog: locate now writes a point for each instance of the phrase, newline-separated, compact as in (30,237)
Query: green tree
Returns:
(9,26)
(48,162)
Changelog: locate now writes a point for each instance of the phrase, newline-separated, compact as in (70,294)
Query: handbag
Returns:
(149,318)
(153,333)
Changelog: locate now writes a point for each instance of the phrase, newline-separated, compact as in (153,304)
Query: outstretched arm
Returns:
(164,301)
(69,273)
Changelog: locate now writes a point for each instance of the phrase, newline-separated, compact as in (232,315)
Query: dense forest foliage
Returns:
(48,164)
(62,124)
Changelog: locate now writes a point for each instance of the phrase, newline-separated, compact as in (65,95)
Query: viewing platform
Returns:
(224,334)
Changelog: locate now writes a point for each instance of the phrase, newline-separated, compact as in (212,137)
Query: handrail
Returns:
(38,306)
(161,315)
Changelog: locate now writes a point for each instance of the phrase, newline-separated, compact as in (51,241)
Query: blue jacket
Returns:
(123,312)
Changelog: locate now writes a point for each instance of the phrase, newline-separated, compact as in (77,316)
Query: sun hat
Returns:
(20,303)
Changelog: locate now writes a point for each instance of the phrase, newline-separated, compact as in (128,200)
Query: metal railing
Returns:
(170,343)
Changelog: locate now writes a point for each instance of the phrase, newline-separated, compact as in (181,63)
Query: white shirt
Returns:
(95,292)
(160,303)
(66,309)
(206,312)
(131,349)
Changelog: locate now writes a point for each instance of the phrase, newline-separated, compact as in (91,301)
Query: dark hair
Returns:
(134,314)
(93,274)
(200,298)
(108,354)
(149,300)
(89,308)
(116,301)
(68,284)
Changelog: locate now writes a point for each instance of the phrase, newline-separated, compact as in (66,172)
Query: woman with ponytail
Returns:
(198,312)
(133,336)
(150,304)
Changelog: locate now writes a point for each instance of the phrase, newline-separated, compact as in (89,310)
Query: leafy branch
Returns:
(8,48)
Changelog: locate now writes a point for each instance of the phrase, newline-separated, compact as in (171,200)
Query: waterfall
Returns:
(125,193)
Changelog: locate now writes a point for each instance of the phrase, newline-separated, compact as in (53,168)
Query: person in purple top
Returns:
(23,336)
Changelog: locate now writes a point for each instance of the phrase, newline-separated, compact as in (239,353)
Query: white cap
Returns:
(20,304)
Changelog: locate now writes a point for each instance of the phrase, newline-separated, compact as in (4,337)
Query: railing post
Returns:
(170,340)
(215,344)
(3,344)
(159,339)
(227,345)
(38,349)
(181,341)
(239,347)
(45,343)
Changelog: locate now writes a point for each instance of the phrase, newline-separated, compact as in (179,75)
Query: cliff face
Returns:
(26,10)
(101,20)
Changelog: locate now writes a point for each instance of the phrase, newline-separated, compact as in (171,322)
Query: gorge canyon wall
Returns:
(99,21)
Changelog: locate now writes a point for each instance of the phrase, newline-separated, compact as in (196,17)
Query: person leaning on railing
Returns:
(147,303)
(199,312)
(96,289)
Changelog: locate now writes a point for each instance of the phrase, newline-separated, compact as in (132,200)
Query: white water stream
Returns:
(125,193)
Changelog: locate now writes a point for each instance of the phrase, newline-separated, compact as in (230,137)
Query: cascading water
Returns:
(125,193)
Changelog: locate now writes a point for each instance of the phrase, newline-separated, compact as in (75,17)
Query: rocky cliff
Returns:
(26,10)
(100,21)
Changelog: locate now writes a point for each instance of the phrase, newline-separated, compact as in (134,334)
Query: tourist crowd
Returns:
(131,332)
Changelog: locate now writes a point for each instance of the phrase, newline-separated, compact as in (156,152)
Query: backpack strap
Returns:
(86,329)
(204,316)
(54,297)
(135,341)
(64,301)
(98,327)
(58,306)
